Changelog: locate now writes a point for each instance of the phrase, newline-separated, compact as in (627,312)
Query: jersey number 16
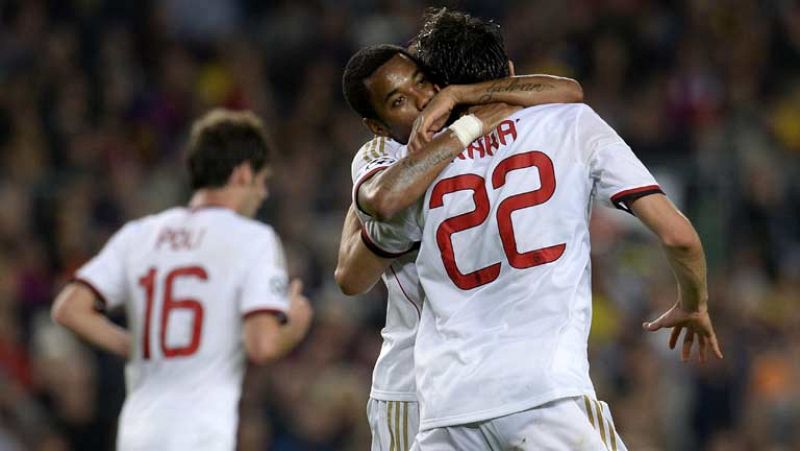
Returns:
(148,282)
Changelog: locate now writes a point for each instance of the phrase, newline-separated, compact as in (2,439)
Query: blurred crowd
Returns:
(96,98)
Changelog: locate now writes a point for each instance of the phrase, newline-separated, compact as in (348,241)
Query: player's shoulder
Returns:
(555,110)
(252,232)
(561,119)
(135,228)
(377,148)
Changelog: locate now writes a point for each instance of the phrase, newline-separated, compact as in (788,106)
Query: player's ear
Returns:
(511,68)
(241,175)
(376,127)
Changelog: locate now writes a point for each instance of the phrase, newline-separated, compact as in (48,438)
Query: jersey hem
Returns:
(497,412)
(93,288)
(384,395)
(283,318)
(623,199)
(377,250)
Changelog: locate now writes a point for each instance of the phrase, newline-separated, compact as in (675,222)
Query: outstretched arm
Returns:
(74,309)
(524,91)
(685,254)
(357,268)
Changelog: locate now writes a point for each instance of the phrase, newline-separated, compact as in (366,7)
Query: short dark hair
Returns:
(456,48)
(361,66)
(220,141)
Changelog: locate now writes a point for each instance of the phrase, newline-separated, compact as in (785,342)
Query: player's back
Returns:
(188,278)
(505,264)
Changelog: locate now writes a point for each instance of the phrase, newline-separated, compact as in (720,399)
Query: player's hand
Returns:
(431,119)
(698,327)
(300,311)
(492,114)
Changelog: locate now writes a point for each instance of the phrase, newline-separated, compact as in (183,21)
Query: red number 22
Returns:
(474,218)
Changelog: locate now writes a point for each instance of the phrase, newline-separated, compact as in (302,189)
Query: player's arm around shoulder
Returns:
(521,91)
(269,336)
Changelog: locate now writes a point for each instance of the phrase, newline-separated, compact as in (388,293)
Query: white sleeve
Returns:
(374,156)
(398,236)
(105,273)
(619,176)
(265,285)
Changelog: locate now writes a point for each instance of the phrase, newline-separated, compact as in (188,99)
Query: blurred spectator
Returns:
(95,98)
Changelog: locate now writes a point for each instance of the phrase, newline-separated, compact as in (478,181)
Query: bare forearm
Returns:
(400,185)
(101,332)
(350,232)
(689,266)
(290,336)
(524,90)
(357,269)
(681,244)
(74,309)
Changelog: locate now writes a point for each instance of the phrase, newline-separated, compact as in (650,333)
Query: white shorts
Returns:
(570,424)
(394,424)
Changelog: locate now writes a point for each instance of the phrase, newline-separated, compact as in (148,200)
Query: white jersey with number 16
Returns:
(187,279)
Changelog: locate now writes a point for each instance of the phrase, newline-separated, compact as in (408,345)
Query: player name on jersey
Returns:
(180,239)
(504,134)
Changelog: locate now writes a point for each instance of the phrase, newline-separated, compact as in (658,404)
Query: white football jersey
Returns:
(505,266)
(393,376)
(187,279)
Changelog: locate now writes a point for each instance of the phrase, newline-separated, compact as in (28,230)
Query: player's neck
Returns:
(206,198)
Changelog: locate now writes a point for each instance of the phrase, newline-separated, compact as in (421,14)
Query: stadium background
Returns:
(95,99)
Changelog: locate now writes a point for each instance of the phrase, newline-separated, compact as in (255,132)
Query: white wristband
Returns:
(467,129)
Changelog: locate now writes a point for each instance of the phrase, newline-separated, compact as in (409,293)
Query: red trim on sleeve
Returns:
(367,240)
(97,294)
(622,199)
(360,182)
(282,317)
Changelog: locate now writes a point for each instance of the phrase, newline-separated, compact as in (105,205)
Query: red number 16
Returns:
(148,283)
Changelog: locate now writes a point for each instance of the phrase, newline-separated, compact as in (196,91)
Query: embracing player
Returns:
(203,286)
(387,88)
(501,356)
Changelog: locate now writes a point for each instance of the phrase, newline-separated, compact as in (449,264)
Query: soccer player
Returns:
(390,75)
(501,350)
(203,286)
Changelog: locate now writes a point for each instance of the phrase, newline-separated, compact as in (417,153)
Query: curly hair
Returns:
(456,48)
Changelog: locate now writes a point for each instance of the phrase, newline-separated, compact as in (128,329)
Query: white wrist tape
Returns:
(467,129)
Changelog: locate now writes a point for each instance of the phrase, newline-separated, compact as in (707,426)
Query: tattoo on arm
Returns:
(513,85)
(411,169)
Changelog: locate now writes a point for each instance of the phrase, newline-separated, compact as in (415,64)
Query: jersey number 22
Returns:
(476,217)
